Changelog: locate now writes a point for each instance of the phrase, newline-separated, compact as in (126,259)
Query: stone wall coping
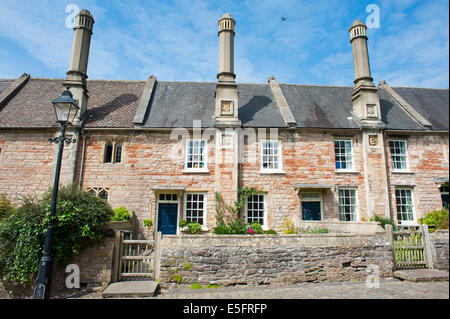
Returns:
(285,240)
(440,233)
(261,236)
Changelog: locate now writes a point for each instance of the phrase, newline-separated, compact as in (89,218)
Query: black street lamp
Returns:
(66,109)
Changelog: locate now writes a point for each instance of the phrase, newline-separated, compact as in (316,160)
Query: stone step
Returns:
(421,275)
(131,289)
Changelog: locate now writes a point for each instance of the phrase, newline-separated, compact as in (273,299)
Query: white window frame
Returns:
(403,169)
(204,154)
(344,139)
(280,157)
(264,226)
(408,222)
(205,202)
(356,206)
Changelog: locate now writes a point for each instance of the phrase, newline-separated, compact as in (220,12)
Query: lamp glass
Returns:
(65,108)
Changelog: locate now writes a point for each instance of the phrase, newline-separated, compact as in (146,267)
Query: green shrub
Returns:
(194,228)
(183,223)
(271,232)
(221,229)
(438,218)
(237,226)
(383,221)
(80,216)
(6,209)
(121,214)
(257,228)
(148,223)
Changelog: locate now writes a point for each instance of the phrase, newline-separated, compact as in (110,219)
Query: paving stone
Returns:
(388,289)
(127,289)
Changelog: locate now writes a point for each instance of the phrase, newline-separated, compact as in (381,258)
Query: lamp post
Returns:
(66,109)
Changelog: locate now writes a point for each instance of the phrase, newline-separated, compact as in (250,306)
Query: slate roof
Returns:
(320,106)
(432,104)
(113,104)
(4,84)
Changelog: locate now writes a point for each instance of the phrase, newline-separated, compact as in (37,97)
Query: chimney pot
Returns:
(226,48)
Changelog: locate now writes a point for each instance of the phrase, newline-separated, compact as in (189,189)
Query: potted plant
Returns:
(122,219)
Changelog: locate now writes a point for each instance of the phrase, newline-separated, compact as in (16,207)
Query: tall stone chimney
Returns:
(367,114)
(226,109)
(365,100)
(77,74)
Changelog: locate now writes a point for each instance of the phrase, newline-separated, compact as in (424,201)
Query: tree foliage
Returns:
(80,216)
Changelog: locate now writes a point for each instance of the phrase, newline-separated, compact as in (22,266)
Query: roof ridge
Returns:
(89,80)
(417,87)
(319,85)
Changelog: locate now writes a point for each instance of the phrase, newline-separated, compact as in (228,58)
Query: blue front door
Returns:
(311,210)
(167,219)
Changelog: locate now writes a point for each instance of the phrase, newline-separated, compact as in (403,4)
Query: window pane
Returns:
(255,209)
(108,152)
(118,153)
(195,206)
(404,205)
(347,205)
(196,154)
(343,154)
(398,154)
(271,156)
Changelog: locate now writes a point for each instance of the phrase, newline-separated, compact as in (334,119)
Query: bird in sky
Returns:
(282,19)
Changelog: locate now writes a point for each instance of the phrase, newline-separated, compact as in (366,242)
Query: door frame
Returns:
(312,200)
(158,201)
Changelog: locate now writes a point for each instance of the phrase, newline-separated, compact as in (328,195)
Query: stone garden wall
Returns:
(94,262)
(272,259)
(440,248)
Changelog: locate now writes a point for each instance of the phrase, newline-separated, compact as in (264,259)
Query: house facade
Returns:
(163,149)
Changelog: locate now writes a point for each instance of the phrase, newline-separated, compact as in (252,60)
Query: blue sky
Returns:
(177,40)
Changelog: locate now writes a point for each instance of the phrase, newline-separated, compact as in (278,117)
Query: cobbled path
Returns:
(388,289)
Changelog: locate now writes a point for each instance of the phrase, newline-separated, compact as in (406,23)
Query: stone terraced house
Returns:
(317,154)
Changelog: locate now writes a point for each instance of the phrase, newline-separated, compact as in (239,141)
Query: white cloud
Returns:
(178,41)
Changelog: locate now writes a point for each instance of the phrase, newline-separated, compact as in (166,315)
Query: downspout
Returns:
(85,137)
(385,157)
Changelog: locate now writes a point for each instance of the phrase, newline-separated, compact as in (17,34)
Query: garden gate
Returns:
(136,259)
(411,247)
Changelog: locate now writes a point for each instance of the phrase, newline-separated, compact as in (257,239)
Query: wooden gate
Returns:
(136,259)
(410,247)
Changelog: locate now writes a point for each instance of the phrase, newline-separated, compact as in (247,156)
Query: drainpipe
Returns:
(85,137)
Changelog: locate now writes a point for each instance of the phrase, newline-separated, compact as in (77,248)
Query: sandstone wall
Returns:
(428,161)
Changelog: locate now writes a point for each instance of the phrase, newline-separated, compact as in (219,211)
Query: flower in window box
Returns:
(250,231)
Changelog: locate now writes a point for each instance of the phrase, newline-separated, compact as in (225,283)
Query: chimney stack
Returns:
(226,48)
(358,39)
(226,111)
(77,74)
(365,100)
